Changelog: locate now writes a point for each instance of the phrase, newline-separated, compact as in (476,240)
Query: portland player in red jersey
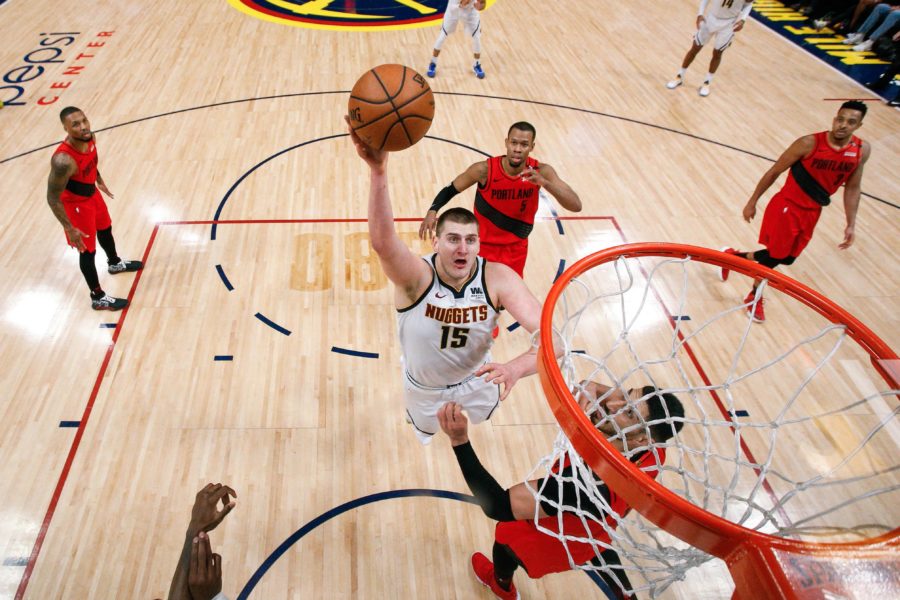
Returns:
(73,193)
(506,200)
(518,541)
(819,164)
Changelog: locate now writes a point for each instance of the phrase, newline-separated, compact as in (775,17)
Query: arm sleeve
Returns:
(745,12)
(702,8)
(443,197)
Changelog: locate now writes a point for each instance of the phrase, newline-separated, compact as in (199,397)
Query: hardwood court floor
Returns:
(188,98)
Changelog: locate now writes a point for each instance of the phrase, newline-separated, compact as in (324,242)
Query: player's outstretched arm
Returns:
(796,151)
(546,177)
(405,270)
(205,516)
(512,293)
(852,190)
(61,168)
(476,173)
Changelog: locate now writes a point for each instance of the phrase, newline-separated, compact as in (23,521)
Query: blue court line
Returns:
(224,279)
(348,352)
(514,326)
(219,357)
(69,423)
(272,324)
(739,413)
(15,561)
(339,510)
(108,325)
(559,226)
(460,94)
(240,180)
(559,271)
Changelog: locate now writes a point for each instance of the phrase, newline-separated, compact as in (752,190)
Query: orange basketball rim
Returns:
(762,565)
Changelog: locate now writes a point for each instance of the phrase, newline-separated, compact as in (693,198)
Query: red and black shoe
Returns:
(484,573)
(723,272)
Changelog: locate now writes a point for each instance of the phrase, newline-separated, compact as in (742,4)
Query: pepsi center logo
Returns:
(347,15)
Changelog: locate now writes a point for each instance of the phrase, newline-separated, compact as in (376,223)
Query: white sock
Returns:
(434,59)
(681,73)
(476,63)
(708,79)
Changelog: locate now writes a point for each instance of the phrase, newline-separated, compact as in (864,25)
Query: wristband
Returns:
(443,197)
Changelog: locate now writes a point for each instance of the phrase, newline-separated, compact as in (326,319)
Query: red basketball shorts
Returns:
(541,553)
(511,255)
(88,215)
(786,227)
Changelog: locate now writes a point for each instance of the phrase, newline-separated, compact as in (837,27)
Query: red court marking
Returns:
(706,381)
(73,449)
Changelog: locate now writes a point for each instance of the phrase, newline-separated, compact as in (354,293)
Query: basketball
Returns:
(391,107)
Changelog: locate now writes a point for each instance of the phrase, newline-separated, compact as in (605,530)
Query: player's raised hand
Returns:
(206,515)
(532,175)
(849,238)
(76,238)
(205,573)
(376,159)
(499,374)
(749,211)
(426,229)
(454,423)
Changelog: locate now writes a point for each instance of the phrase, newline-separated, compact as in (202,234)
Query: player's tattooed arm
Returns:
(796,151)
(852,191)
(61,168)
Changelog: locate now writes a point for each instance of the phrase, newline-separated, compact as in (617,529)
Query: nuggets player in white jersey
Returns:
(467,12)
(447,306)
(725,18)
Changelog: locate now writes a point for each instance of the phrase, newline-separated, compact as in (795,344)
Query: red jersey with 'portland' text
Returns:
(86,172)
(505,205)
(830,168)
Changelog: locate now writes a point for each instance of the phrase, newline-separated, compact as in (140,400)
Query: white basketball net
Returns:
(804,444)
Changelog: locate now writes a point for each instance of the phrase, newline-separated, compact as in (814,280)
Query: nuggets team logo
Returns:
(348,15)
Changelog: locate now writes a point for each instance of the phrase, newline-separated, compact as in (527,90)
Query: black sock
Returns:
(617,580)
(89,270)
(763,258)
(494,500)
(505,564)
(106,241)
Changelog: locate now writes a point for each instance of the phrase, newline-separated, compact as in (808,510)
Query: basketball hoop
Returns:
(743,518)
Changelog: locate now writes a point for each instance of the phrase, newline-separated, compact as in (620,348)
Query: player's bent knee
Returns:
(499,507)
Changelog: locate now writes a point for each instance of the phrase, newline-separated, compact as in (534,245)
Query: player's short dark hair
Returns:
(667,409)
(457,214)
(523,126)
(68,111)
(855,105)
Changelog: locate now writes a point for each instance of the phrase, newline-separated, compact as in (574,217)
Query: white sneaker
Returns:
(675,82)
(820,24)
(853,39)
(704,90)
(864,47)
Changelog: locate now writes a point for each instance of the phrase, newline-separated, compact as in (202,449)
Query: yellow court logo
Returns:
(347,15)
